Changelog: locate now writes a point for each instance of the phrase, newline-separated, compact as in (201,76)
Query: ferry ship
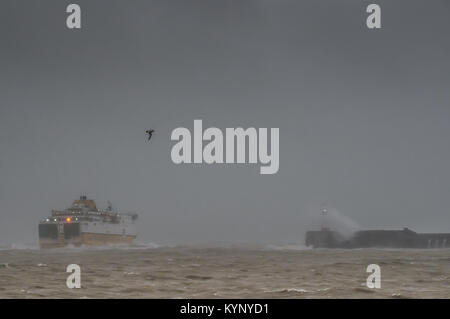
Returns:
(83,224)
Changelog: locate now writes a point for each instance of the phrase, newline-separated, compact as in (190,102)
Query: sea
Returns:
(226,271)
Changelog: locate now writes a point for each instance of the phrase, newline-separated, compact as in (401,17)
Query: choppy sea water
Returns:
(149,271)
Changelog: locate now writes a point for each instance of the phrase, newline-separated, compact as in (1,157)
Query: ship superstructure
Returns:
(84,224)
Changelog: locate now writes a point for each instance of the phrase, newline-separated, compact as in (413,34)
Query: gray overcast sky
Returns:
(364,115)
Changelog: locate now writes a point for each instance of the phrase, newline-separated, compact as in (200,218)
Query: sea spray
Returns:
(331,218)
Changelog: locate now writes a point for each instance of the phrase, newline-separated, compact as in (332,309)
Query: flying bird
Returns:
(150,133)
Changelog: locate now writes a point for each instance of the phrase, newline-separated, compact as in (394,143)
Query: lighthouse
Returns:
(324,214)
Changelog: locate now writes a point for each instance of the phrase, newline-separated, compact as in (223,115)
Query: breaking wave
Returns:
(19,246)
(288,247)
(136,246)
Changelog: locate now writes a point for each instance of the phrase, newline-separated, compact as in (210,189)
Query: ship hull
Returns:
(92,239)
(88,239)
(52,235)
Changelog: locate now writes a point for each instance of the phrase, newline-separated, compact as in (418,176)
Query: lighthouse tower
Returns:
(323,217)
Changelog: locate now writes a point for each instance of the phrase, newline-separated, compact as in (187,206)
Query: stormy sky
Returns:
(364,115)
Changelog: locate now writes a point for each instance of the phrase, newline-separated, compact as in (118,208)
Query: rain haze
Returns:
(363,114)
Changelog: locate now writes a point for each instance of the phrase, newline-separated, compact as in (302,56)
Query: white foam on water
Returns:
(150,245)
(288,290)
(19,246)
(288,247)
(71,248)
